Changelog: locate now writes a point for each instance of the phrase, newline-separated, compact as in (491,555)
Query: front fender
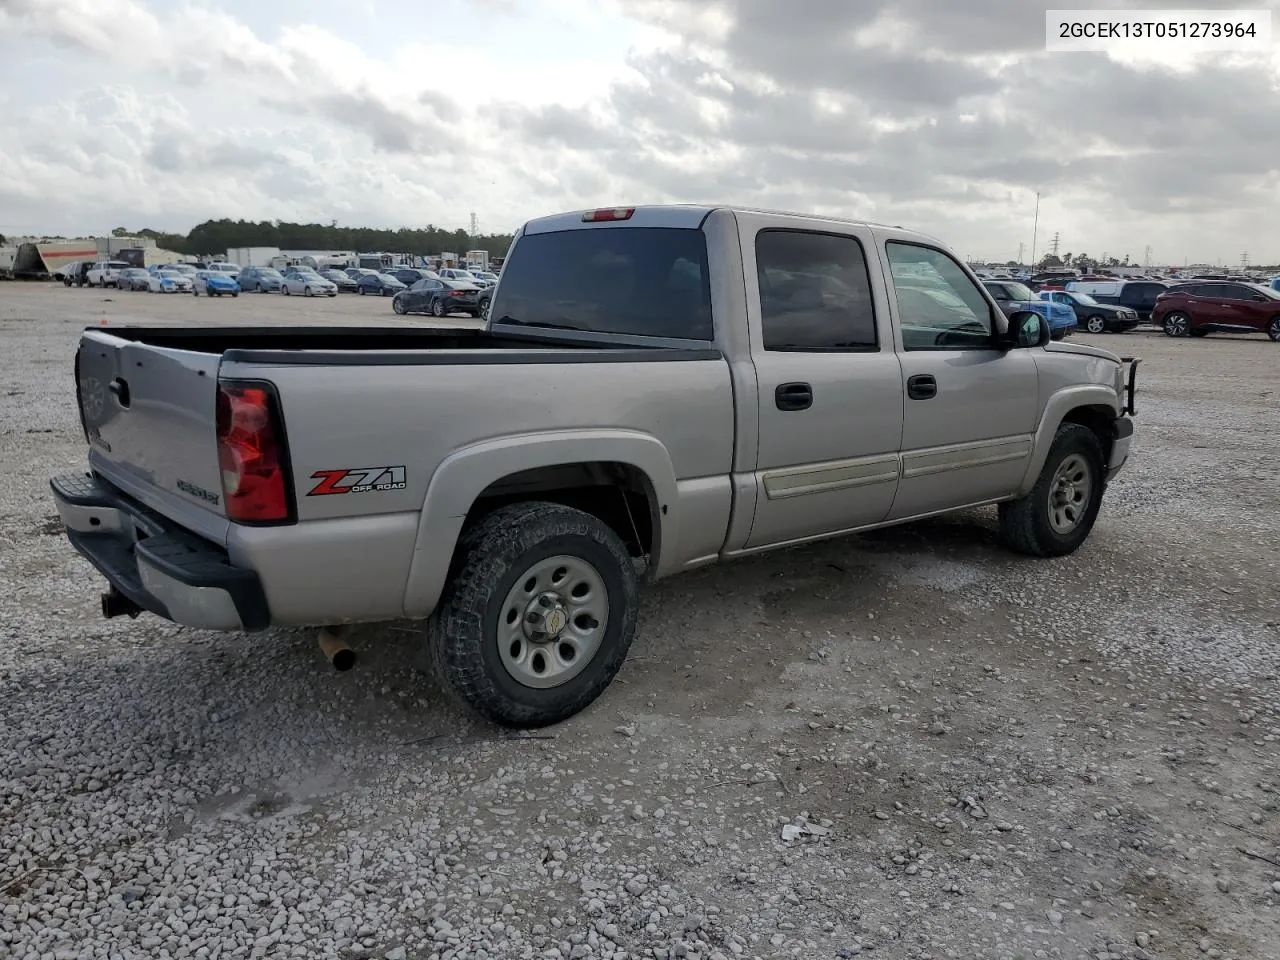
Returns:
(1055,412)
(467,472)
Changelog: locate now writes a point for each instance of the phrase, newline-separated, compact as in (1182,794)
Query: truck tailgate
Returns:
(150,416)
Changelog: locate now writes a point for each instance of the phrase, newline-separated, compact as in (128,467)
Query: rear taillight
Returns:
(608,214)
(457,293)
(251,453)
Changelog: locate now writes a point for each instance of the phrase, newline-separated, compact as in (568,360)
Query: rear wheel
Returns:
(1177,324)
(1057,515)
(1273,329)
(537,616)
(437,308)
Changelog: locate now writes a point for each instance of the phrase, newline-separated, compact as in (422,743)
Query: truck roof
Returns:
(687,216)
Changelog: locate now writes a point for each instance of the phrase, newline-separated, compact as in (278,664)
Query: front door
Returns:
(829,381)
(970,409)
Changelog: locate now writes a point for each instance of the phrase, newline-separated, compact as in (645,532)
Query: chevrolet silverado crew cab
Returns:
(656,389)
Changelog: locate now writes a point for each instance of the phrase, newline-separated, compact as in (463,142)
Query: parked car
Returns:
(133,278)
(457,273)
(77,274)
(658,423)
(1012,297)
(221,266)
(307,282)
(411,275)
(439,298)
(261,279)
(485,278)
(1275,283)
(165,280)
(355,273)
(1094,316)
(380,284)
(483,300)
(1138,295)
(340,280)
(105,272)
(214,283)
(1198,308)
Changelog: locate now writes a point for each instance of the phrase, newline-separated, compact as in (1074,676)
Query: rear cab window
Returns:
(632,281)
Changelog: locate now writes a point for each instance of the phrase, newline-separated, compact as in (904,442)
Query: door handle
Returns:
(793,396)
(922,387)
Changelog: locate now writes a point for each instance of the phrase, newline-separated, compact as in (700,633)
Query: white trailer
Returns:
(252,256)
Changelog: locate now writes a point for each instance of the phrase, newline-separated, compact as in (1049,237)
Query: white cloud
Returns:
(395,113)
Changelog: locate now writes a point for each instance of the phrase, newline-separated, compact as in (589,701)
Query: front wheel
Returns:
(308,292)
(235,293)
(1177,324)
(538,614)
(1096,325)
(1057,515)
(398,306)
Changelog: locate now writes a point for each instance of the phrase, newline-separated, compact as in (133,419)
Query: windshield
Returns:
(641,281)
(269,272)
(1019,291)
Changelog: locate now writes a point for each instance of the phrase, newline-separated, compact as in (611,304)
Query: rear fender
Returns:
(467,472)
(1057,410)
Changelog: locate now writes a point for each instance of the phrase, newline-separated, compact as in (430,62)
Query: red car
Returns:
(1201,306)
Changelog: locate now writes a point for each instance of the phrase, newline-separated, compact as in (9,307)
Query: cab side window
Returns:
(815,292)
(939,306)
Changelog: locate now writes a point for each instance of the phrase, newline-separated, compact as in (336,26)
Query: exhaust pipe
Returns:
(335,649)
(115,604)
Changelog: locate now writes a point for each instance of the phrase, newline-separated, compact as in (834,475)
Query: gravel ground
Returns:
(910,744)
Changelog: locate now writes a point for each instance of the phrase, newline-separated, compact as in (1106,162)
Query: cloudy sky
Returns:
(944,115)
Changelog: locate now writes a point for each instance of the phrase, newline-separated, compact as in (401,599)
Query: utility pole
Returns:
(1034,226)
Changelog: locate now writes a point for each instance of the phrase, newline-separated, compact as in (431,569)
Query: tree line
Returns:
(215,237)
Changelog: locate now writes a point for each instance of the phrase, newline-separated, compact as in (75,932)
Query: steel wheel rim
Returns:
(552,623)
(1096,325)
(1069,494)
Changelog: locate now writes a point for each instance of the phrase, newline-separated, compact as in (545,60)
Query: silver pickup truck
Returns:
(657,388)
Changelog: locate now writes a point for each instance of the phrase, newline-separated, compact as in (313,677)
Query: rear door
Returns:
(150,416)
(970,409)
(829,382)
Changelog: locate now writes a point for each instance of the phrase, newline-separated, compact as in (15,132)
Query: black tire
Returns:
(362,291)
(1096,324)
(235,293)
(1177,324)
(437,308)
(462,634)
(483,312)
(1025,524)
(1273,329)
(397,305)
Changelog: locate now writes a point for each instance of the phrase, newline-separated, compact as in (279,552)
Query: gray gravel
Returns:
(907,745)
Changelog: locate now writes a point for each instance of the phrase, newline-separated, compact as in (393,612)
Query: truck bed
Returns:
(402,345)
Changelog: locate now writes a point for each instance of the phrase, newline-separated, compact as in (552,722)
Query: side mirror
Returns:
(1027,329)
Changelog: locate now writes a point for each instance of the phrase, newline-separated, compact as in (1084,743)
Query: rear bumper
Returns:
(162,568)
(1120,447)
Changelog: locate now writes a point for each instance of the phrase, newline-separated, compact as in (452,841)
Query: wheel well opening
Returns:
(1098,419)
(619,494)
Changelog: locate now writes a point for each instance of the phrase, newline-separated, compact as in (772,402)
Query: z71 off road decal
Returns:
(357,480)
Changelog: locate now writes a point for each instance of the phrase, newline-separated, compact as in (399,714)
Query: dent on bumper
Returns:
(165,570)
